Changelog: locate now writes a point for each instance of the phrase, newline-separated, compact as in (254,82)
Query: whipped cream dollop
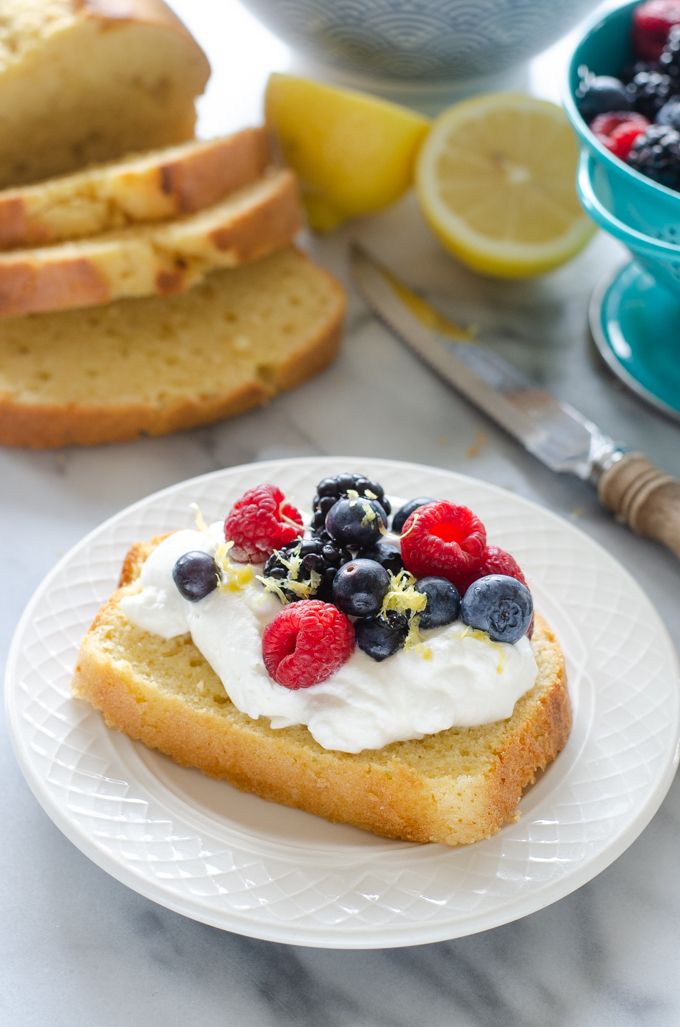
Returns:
(459,678)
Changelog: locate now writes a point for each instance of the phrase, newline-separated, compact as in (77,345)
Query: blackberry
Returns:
(669,61)
(330,490)
(656,154)
(292,566)
(649,91)
(631,70)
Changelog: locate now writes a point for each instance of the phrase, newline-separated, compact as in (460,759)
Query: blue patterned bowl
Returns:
(423,41)
(657,254)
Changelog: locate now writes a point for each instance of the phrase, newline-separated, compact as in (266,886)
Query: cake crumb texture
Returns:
(85,81)
(160,364)
(455,787)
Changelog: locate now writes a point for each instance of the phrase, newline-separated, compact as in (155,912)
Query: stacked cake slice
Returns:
(156,293)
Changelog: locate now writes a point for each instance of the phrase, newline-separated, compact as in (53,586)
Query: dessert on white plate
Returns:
(388,684)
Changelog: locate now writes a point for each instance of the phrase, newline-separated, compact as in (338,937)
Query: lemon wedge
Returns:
(495,179)
(353,153)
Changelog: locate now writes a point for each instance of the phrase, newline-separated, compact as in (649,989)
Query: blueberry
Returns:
(500,605)
(443,602)
(599,94)
(359,588)
(400,518)
(356,522)
(670,114)
(388,557)
(195,575)
(377,639)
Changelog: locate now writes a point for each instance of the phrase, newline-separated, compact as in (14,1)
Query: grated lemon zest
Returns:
(293,563)
(231,579)
(404,534)
(272,585)
(483,636)
(200,521)
(303,589)
(404,598)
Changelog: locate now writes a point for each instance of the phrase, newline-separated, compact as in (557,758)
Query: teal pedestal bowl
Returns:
(635,314)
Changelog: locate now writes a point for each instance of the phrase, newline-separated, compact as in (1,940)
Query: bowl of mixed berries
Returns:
(624,91)
(623,100)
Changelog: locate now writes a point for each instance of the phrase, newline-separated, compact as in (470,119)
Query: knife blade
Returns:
(552,430)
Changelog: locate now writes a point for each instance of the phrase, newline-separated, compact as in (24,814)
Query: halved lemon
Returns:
(353,153)
(495,179)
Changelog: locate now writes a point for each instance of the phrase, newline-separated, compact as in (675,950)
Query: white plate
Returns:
(205,850)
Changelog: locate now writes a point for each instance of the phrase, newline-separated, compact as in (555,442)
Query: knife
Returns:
(627,483)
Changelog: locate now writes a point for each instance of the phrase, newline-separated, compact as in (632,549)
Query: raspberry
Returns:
(618,130)
(259,522)
(622,139)
(651,23)
(445,540)
(496,561)
(306,643)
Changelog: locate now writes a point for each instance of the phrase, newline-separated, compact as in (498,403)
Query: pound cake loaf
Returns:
(86,81)
(160,364)
(153,186)
(144,260)
(457,786)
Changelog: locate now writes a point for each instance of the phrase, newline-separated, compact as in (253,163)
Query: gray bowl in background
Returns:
(425,42)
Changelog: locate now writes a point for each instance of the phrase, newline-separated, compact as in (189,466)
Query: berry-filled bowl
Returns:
(623,100)
(628,119)
(220,855)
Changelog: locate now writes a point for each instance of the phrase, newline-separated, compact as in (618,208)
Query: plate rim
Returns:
(323,937)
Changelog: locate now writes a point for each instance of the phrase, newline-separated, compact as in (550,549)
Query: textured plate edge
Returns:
(380,937)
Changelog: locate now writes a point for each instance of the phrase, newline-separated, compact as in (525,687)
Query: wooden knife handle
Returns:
(644,497)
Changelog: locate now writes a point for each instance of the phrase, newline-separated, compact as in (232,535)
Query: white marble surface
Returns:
(76,947)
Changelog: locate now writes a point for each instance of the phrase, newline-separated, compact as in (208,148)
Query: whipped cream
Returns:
(466,681)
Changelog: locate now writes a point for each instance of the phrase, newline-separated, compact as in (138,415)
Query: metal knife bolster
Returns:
(553,431)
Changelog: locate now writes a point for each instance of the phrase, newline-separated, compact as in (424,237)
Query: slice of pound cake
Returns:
(148,187)
(157,365)
(85,81)
(328,682)
(144,260)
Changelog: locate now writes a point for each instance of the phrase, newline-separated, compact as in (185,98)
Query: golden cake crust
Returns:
(456,787)
(147,187)
(147,260)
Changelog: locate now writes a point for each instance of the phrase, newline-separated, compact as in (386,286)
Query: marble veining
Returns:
(77,948)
